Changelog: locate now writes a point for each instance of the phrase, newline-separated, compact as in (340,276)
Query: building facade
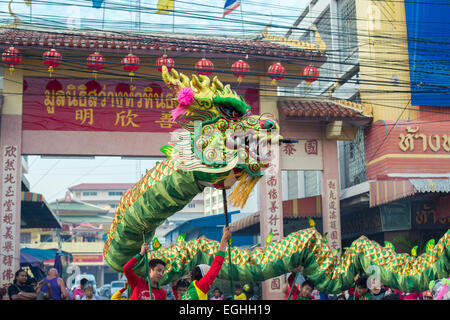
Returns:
(394,173)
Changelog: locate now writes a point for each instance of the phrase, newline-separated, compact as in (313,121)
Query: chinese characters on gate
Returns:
(274,219)
(8,216)
(333,210)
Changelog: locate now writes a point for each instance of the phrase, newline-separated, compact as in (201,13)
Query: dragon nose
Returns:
(266,124)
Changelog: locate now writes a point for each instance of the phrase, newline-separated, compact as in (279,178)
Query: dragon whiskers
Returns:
(244,187)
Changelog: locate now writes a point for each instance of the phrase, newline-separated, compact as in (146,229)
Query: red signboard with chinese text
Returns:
(105,105)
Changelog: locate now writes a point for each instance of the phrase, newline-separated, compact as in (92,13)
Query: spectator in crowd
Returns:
(362,289)
(377,290)
(217,294)
(78,293)
(20,290)
(341,297)
(37,288)
(139,287)
(3,294)
(254,293)
(89,293)
(238,293)
(391,296)
(180,288)
(427,295)
(306,290)
(59,291)
(413,296)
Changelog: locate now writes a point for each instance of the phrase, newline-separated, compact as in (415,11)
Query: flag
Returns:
(269,238)
(229,6)
(97,3)
(156,244)
(164,6)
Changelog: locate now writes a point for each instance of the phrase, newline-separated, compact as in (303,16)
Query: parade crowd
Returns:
(198,285)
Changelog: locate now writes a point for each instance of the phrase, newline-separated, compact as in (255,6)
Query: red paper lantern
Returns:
(165,61)
(310,74)
(276,72)
(95,62)
(130,63)
(11,58)
(240,67)
(204,67)
(52,59)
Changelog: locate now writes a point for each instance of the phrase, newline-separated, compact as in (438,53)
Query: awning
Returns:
(36,213)
(43,254)
(245,222)
(431,185)
(310,207)
(385,191)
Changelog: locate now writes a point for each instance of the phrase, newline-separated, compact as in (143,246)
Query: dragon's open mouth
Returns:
(256,145)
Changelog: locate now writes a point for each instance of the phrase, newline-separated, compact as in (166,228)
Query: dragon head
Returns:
(222,142)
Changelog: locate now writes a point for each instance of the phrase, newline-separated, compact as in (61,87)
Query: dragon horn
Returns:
(217,84)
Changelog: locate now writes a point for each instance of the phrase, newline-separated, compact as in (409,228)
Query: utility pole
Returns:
(58,230)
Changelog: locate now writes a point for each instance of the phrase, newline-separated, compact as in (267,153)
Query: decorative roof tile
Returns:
(303,109)
(174,43)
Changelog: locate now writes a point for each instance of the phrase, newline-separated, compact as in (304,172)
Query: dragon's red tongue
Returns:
(229,180)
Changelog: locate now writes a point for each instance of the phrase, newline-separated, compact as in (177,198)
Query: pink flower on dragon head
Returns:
(185,97)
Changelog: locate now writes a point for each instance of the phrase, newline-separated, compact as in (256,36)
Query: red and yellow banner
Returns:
(87,258)
(105,105)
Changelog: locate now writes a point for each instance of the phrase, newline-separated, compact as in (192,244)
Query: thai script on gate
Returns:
(434,142)
(131,96)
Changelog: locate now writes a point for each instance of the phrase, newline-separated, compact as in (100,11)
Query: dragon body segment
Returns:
(330,273)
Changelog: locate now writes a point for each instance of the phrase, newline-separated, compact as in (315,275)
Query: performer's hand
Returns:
(298,269)
(225,237)
(144,249)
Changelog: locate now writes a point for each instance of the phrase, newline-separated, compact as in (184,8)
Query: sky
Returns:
(53,176)
(200,16)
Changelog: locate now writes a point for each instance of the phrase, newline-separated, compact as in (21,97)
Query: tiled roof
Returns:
(102,186)
(153,43)
(76,206)
(321,109)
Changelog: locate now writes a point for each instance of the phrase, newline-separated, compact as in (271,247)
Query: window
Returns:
(25,237)
(348,30)
(323,25)
(89,193)
(354,160)
(191,205)
(46,238)
(115,193)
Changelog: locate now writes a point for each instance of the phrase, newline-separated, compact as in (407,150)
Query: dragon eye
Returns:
(229,111)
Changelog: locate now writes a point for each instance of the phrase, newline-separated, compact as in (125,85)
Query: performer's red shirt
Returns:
(139,287)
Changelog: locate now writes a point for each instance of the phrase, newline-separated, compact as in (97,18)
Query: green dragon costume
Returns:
(222,143)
